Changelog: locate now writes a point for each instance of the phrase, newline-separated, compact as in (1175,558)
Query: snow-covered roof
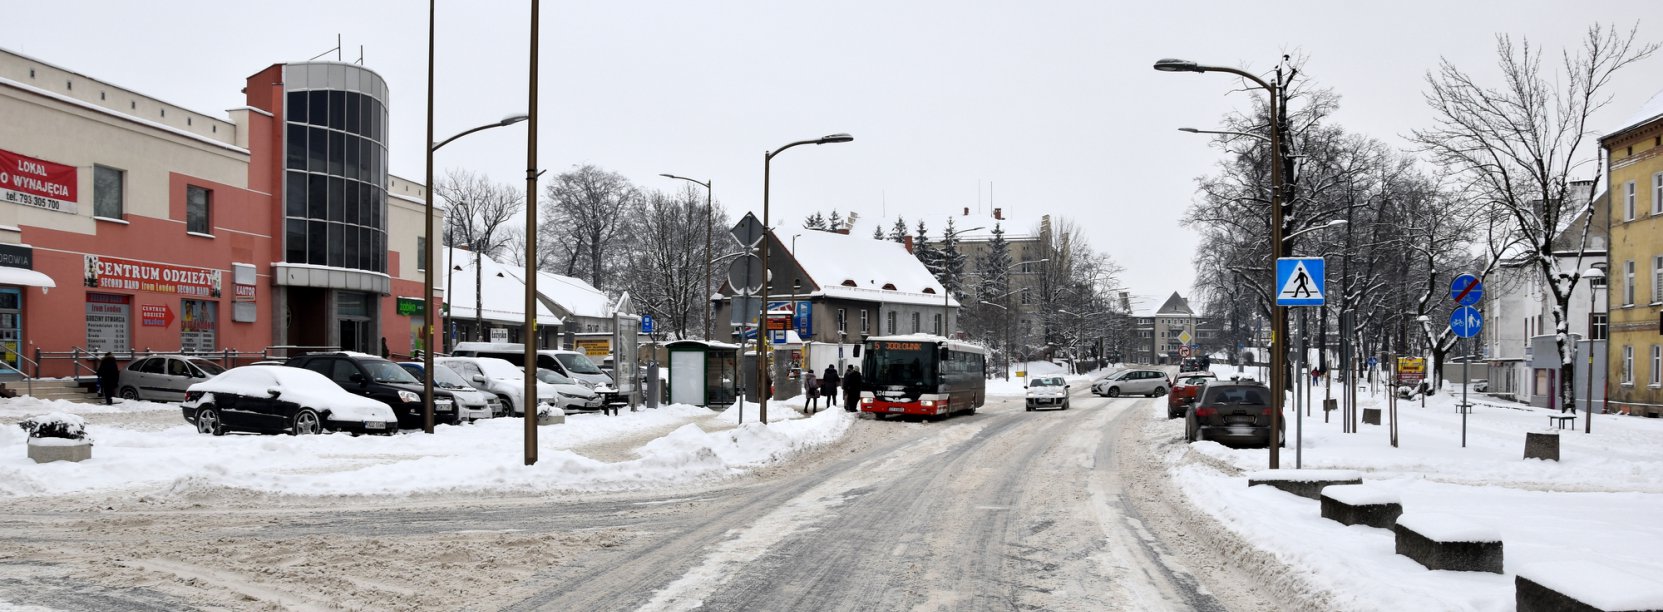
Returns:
(577,297)
(1651,110)
(501,290)
(860,268)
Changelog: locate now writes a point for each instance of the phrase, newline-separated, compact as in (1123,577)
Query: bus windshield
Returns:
(900,363)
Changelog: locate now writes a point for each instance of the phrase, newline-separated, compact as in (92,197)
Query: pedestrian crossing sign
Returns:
(1299,281)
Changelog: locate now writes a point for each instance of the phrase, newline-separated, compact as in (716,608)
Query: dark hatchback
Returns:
(382,380)
(1231,413)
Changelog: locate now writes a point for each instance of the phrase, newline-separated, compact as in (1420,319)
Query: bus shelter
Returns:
(703,373)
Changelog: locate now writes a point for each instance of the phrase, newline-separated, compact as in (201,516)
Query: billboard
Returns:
(130,275)
(36,182)
(1411,370)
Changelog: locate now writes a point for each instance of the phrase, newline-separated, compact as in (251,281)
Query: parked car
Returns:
(272,399)
(1047,391)
(500,378)
(471,404)
(1234,413)
(568,393)
(163,378)
(571,364)
(1481,385)
(1125,382)
(381,380)
(1185,391)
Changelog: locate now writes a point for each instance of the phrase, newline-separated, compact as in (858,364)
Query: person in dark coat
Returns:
(811,390)
(851,389)
(828,384)
(385,352)
(109,374)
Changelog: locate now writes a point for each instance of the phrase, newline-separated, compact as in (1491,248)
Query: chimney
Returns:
(967,211)
(999,214)
(843,230)
(907,240)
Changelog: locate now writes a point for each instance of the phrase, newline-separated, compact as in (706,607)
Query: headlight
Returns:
(570,395)
(587,383)
(929,403)
(408,397)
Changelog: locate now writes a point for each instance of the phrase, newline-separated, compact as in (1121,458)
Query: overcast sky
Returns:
(1052,103)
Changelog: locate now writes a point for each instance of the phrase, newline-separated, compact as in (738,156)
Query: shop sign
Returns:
(414,307)
(36,182)
(15,256)
(198,325)
(595,347)
(499,334)
(108,320)
(1410,370)
(129,275)
(155,315)
(245,293)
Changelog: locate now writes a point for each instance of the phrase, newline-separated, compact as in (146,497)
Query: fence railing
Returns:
(85,360)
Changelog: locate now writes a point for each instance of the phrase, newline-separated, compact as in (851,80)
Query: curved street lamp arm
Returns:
(705,184)
(774,152)
(509,121)
(1238,72)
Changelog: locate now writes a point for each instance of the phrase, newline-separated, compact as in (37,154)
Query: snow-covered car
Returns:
(571,364)
(1047,391)
(163,377)
(471,404)
(272,399)
(500,378)
(1479,386)
(569,394)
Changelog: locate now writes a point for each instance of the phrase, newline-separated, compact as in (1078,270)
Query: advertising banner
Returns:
(595,347)
(36,182)
(1410,370)
(128,275)
(155,315)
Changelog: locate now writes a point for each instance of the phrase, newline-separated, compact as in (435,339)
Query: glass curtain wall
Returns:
(336,167)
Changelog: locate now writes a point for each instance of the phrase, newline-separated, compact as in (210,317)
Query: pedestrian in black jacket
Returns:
(828,384)
(851,389)
(109,375)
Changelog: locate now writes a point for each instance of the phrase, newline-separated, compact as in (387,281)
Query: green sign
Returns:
(410,307)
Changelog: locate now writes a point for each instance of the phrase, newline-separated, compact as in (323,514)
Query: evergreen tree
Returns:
(877,233)
(925,252)
(898,232)
(952,261)
(815,221)
(835,222)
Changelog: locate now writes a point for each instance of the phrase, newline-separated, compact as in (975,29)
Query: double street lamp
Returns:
(1279,325)
(764,388)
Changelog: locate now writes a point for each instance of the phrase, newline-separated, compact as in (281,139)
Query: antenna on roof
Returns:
(336,50)
(360,55)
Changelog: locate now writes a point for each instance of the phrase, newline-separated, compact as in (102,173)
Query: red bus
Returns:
(922,375)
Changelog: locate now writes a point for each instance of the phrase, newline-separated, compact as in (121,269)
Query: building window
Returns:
(1657,365)
(938,330)
(1027,297)
(1598,282)
(1628,201)
(1628,283)
(842,322)
(108,187)
(864,329)
(421,253)
(198,210)
(1597,326)
(917,322)
(891,322)
(1657,279)
(1657,194)
(1628,365)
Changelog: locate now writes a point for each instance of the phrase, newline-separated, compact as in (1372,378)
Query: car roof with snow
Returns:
(298,385)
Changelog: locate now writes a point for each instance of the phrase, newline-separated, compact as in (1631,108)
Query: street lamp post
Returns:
(709,253)
(763,388)
(429,304)
(1279,326)
(1593,273)
(529,336)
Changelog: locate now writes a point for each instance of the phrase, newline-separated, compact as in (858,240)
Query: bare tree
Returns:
(583,212)
(478,212)
(1519,145)
(664,258)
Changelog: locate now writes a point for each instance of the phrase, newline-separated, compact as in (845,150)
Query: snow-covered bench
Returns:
(1304,483)
(1448,542)
(1361,505)
(1556,586)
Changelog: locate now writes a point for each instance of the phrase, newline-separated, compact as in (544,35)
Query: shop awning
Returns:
(25,277)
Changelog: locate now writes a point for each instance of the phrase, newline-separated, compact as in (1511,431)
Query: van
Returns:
(571,364)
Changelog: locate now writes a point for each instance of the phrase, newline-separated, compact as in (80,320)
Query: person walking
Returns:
(851,389)
(828,385)
(811,389)
(109,374)
(385,352)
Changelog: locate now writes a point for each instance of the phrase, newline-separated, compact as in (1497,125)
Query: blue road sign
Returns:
(1466,321)
(1373,361)
(646,324)
(1466,289)
(1299,281)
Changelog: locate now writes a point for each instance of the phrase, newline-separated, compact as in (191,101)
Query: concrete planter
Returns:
(1361,505)
(47,450)
(1304,483)
(1443,542)
(1584,586)
(550,419)
(1371,416)
(1541,445)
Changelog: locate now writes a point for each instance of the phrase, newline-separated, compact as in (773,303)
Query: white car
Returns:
(272,399)
(1047,391)
(500,378)
(471,404)
(1126,382)
(570,394)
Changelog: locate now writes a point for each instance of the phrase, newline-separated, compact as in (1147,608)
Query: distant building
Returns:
(1163,332)
(564,304)
(1634,165)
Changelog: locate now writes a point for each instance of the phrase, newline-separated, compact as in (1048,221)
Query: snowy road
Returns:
(1058,510)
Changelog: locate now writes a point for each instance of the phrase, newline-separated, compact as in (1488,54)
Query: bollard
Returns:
(653,383)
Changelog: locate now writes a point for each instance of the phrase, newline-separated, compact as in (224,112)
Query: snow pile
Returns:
(483,457)
(778,410)
(23,406)
(1440,527)
(1579,508)
(1599,585)
(1360,495)
(1304,475)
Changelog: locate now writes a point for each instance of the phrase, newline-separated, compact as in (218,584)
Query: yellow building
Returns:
(1634,154)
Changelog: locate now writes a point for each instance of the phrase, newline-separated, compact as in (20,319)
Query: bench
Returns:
(1304,483)
(1560,421)
(1361,505)
(1554,586)
(1449,542)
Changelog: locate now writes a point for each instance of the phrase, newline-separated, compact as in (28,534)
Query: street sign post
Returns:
(1466,321)
(1466,290)
(745,274)
(646,324)
(748,231)
(1300,281)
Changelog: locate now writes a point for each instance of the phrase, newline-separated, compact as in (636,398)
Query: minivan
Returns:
(571,364)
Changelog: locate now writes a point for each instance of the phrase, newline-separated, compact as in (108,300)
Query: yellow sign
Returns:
(1184,336)
(903,346)
(595,347)
(1410,370)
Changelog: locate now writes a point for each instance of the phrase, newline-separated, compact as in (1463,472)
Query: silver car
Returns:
(163,378)
(1126,382)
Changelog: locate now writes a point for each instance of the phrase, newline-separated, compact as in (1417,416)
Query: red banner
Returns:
(126,274)
(37,182)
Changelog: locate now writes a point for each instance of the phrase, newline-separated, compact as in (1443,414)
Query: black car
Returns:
(1234,413)
(380,379)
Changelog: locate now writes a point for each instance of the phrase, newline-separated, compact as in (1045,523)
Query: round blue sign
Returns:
(1466,289)
(1466,321)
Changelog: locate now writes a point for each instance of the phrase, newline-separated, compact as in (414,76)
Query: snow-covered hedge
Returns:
(56,425)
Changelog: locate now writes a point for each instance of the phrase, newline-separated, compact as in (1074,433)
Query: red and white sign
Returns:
(155,315)
(1183,351)
(244,293)
(37,182)
(129,275)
